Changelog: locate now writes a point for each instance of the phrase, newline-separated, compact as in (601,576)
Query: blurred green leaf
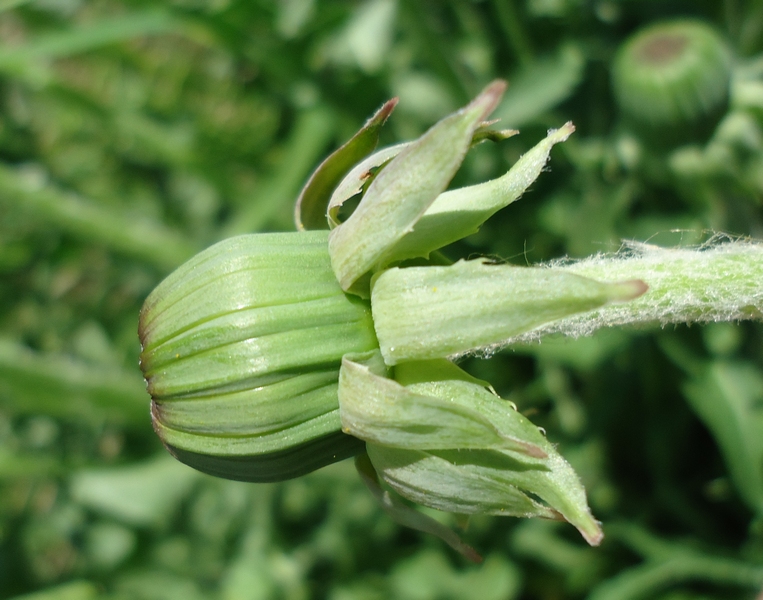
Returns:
(308,140)
(541,85)
(155,584)
(367,38)
(429,576)
(13,464)
(94,35)
(32,382)
(728,397)
(668,564)
(75,590)
(145,495)
(152,242)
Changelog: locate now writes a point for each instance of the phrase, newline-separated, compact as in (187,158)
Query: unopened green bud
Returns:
(672,81)
(265,359)
(241,353)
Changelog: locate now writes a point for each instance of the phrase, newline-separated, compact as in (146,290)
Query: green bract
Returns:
(441,439)
(270,355)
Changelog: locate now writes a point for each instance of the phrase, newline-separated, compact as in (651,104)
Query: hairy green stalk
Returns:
(720,281)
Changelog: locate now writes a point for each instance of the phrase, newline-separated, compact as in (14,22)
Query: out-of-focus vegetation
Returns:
(134,133)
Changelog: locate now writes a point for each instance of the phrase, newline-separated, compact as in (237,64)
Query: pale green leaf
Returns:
(400,194)
(73,590)
(458,213)
(407,516)
(430,415)
(359,178)
(310,210)
(542,85)
(728,397)
(432,312)
(493,482)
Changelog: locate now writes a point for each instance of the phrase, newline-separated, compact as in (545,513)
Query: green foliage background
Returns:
(135,133)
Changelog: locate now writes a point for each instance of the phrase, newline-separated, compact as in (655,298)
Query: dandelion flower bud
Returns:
(241,353)
(671,80)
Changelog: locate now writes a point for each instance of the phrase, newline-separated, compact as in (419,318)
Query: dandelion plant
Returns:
(270,355)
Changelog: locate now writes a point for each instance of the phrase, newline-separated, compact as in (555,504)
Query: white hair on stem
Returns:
(720,280)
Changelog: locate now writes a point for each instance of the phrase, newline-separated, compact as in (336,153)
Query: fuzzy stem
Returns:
(717,282)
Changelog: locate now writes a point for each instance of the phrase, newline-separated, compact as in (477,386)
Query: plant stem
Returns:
(436,50)
(669,564)
(718,282)
(141,238)
(511,25)
(54,384)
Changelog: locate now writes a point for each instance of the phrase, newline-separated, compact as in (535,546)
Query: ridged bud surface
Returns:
(241,349)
